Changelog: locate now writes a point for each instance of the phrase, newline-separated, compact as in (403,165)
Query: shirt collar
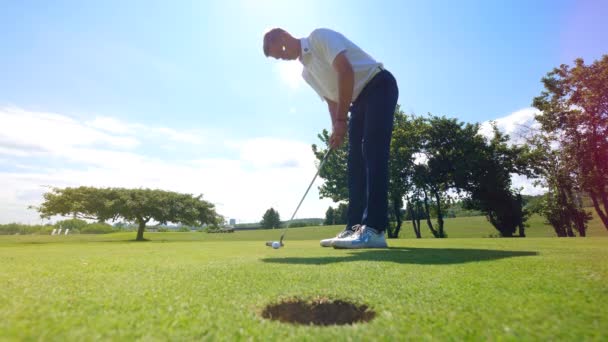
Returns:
(305,45)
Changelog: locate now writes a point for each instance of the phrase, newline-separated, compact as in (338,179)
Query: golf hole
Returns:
(319,311)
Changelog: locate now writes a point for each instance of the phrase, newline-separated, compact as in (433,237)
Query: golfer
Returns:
(349,79)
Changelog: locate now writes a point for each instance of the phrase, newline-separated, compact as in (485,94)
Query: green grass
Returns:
(193,286)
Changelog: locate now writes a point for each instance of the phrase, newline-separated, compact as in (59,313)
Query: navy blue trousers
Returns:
(369,138)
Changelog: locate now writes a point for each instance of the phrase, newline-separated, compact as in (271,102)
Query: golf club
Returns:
(277,244)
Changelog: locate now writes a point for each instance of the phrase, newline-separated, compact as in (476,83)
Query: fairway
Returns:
(189,286)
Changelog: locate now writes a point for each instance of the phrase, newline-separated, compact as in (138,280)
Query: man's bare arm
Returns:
(332,107)
(346,82)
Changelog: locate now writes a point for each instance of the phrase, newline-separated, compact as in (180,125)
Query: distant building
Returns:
(232,222)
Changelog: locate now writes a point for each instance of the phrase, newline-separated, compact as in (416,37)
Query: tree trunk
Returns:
(439,216)
(569,231)
(580,219)
(428,216)
(397,204)
(520,221)
(418,216)
(521,230)
(579,225)
(599,211)
(558,229)
(140,229)
(414,219)
(600,185)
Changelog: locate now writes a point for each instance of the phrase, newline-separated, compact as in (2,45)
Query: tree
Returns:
(330,218)
(442,147)
(133,205)
(432,157)
(406,143)
(562,204)
(574,109)
(341,213)
(271,219)
(73,224)
(486,176)
(334,171)
(445,146)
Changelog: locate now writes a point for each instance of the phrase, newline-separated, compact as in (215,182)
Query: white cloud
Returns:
(38,149)
(113,125)
(35,132)
(516,124)
(290,73)
(273,153)
(177,136)
(265,172)
(526,185)
(12,151)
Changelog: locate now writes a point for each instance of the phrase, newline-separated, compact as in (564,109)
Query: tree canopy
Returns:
(574,117)
(271,219)
(433,158)
(132,205)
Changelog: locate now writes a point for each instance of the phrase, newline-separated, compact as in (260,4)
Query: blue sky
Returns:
(173,94)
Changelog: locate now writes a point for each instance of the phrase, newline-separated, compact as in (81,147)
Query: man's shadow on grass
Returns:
(406,255)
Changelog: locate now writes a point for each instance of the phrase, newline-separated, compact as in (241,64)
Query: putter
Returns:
(269,243)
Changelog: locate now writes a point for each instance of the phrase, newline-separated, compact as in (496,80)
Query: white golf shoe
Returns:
(343,234)
(364,237)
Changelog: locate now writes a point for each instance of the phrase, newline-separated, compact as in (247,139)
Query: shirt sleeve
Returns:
(328,43)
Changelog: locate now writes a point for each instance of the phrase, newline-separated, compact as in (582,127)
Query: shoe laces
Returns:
(349,232)
(357,229)
(344,233)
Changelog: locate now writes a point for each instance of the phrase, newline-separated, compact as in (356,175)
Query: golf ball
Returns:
(276,245)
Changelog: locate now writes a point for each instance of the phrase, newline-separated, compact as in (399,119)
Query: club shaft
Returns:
(311,183)
(306,193)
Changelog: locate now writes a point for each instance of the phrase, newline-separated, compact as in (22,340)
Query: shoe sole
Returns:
(359,246)
(328,243)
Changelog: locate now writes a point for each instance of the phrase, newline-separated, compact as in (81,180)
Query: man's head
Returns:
(281,45)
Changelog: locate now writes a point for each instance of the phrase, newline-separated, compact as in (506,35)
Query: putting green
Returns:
(182,286)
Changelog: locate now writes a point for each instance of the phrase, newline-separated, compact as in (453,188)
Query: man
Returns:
(348,79)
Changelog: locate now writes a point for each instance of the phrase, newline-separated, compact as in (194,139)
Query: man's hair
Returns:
(270,37)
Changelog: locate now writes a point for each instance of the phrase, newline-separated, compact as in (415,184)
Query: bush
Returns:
(22,229)
(47,230)
(97,228)
(71,224)
(183,229)
(215,229)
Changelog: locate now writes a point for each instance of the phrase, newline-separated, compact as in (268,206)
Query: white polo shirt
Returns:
(318,53)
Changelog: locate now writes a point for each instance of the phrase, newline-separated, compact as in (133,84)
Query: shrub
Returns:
(71,224)
(97,228)
(17,228)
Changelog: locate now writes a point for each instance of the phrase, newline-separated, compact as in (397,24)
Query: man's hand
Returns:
(337,135)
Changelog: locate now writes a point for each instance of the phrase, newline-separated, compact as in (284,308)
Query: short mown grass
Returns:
(193,286)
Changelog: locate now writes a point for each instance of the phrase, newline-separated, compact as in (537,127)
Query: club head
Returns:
(269,243)
(281,241)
